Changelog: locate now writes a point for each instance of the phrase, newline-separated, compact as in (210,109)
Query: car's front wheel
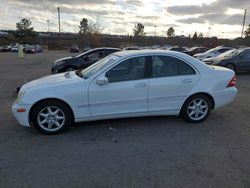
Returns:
(51,117)
(196,109)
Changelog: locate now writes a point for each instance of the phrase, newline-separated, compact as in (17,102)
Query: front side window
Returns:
(246,54)
(164,66)
(130,69)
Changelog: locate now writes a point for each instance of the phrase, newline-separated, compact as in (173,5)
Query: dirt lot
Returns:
(138,152)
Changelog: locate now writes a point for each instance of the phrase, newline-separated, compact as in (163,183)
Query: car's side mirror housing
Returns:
(102,81)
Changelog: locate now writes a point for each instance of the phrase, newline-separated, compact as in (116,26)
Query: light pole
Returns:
(209,31)
(48,25)
(222,35)
(59,19)
(155,30)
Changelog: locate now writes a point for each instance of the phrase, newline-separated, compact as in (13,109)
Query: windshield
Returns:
(88,72)
(228,53)
(211,50)
(237,52)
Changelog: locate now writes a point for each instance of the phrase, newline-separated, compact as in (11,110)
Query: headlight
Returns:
(20,96)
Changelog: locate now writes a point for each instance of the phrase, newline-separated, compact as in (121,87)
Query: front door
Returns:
(125,92)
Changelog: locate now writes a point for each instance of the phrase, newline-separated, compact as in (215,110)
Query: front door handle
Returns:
(140,85)
(187,81)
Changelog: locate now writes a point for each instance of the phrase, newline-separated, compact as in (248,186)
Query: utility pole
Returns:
(155,30)
(48,25)
(59,21)
(244,20)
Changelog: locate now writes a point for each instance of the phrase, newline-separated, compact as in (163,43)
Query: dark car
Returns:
(81,61)
(6,49)
(238,60)
(195,50)
(132,48)
(30,50)
(177,49)
(74,48)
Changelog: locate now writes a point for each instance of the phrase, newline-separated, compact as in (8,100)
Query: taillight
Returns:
(232,82)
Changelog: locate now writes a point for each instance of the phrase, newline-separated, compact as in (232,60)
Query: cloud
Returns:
(213,13)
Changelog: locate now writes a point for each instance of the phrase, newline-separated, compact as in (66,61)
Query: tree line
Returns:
(25,33)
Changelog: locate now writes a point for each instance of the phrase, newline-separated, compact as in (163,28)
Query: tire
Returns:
(70,69)
(196,108)
(231,66)
(51,117)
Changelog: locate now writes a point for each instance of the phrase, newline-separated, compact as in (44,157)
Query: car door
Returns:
(171,80)
(125,92)
(243,62)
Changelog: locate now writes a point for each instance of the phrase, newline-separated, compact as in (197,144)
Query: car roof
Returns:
(125,53)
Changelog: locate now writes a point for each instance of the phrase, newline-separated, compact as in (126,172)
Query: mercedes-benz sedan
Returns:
(126,84)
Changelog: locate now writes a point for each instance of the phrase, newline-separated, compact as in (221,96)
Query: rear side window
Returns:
(164,66)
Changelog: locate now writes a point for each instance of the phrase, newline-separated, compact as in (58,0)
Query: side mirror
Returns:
(102,81)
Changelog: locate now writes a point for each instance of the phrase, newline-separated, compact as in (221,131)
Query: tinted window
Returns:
(108,52)
(246,54)
(169,66)
(96,55)
(131,69)
(223,50)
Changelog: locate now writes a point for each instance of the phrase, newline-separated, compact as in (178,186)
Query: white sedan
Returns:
(126,84)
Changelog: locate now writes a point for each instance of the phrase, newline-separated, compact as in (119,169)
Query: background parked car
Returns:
(212,59)
(6,49)
(132,48)
(196,50)
(74,49)
(214,52)
(30,50)
(177,49)
(81,61)
(239,60)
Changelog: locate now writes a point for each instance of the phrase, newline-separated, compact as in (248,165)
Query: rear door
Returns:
(171,80)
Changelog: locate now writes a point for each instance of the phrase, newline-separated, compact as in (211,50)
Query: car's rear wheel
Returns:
(51,117)
(231,66)
(196,109)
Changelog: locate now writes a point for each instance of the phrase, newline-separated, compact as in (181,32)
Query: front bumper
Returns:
(22,117)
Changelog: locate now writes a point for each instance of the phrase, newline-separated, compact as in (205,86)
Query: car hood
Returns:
(52,81)
(64,59)
(199,54)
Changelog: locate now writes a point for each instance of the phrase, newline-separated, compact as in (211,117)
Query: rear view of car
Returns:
(74,49)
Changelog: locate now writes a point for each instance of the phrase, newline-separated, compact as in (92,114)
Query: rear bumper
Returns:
(22,117)
(224,97)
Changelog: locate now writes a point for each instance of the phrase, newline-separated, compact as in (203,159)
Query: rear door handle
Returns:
(187,81)
(140,85)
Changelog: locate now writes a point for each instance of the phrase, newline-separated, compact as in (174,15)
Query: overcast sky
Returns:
(119,16)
